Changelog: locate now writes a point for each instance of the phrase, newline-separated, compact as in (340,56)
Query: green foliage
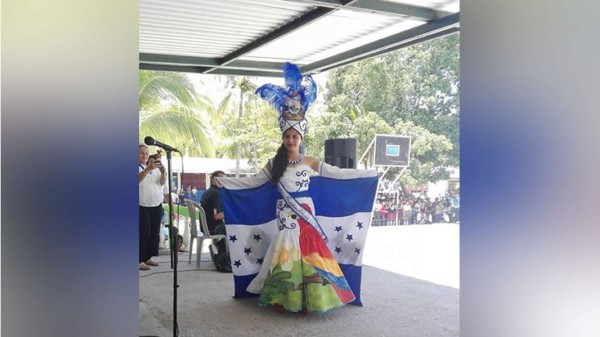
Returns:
(419,84)
(429,155)
(319,297)
(413,91)
(255,132)
(157,87)
(335,125)
(172,111)
(182,129)
(277,283)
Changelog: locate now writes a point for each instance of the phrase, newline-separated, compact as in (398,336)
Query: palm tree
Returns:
(159,86)
(172,111)
(234,105)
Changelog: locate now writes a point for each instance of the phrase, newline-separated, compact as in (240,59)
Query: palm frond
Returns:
(159,86)
(185,131)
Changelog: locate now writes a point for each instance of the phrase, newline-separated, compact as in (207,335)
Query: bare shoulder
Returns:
(313,163)
(267,166)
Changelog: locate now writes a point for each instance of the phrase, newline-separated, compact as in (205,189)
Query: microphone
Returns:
(151,141)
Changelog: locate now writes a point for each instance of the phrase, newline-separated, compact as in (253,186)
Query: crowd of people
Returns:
(188,193)
(408,210)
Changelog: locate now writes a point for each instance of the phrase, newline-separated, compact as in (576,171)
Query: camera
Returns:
(155,159)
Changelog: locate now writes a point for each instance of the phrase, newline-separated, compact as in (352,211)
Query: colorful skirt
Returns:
(303,274)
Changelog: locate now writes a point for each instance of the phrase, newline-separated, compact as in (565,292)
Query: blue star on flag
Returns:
(349,237)
(357,250)
(257,237)
(260,260)
(338,249)
(237,263)
(247,251)
(338,228)
(359,225)
(232,238)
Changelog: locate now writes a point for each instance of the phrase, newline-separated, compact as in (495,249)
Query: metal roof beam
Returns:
(170,67)
(388,43)
(205,62)
(241,64)
(220,71)
(380,7)
(396,47)
(178,60)
(247,72)
(274,35)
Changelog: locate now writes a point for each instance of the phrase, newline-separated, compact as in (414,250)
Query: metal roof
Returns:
(254,37)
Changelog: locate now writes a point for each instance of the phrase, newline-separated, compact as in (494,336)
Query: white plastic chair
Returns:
(202,235)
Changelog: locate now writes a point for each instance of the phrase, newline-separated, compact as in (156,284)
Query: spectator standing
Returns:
(447,209)
(400,211)
(382,213)
(439,210)
(407,211)
(151,188)
(417,215)
(456,208)
(390,216)
(376,212)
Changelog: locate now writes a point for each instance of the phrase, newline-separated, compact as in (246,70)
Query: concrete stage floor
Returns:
(409,288)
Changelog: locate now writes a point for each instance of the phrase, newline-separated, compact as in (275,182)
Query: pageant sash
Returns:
(301,211)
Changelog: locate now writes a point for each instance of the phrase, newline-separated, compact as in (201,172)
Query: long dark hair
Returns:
(280,163)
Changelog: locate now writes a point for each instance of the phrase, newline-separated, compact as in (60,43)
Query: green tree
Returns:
(172,111)
(157,87)
(355,124)
(418,84)
(429,155)
(247,126)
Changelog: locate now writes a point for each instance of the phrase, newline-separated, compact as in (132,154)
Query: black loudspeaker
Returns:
(341,152)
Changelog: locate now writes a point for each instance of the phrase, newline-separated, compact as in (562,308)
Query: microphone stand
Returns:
(173,245)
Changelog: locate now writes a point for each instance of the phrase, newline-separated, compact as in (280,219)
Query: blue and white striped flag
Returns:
(343,200)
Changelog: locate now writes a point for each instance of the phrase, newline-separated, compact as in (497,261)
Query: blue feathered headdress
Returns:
(291,102)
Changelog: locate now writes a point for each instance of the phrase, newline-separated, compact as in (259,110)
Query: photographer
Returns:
(152,180)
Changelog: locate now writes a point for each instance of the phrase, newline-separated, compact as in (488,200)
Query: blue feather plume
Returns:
(292,76)
(309,91)
(305,86)
(273,94)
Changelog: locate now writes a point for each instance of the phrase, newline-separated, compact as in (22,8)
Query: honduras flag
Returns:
(343,200)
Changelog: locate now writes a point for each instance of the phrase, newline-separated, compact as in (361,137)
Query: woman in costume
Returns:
(298,272)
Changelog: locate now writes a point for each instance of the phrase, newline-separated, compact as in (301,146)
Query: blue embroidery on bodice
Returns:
(296,178)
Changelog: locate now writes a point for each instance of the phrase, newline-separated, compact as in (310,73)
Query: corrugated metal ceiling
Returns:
(254,37)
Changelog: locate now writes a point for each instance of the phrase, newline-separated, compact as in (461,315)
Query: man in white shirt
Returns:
(152,180)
